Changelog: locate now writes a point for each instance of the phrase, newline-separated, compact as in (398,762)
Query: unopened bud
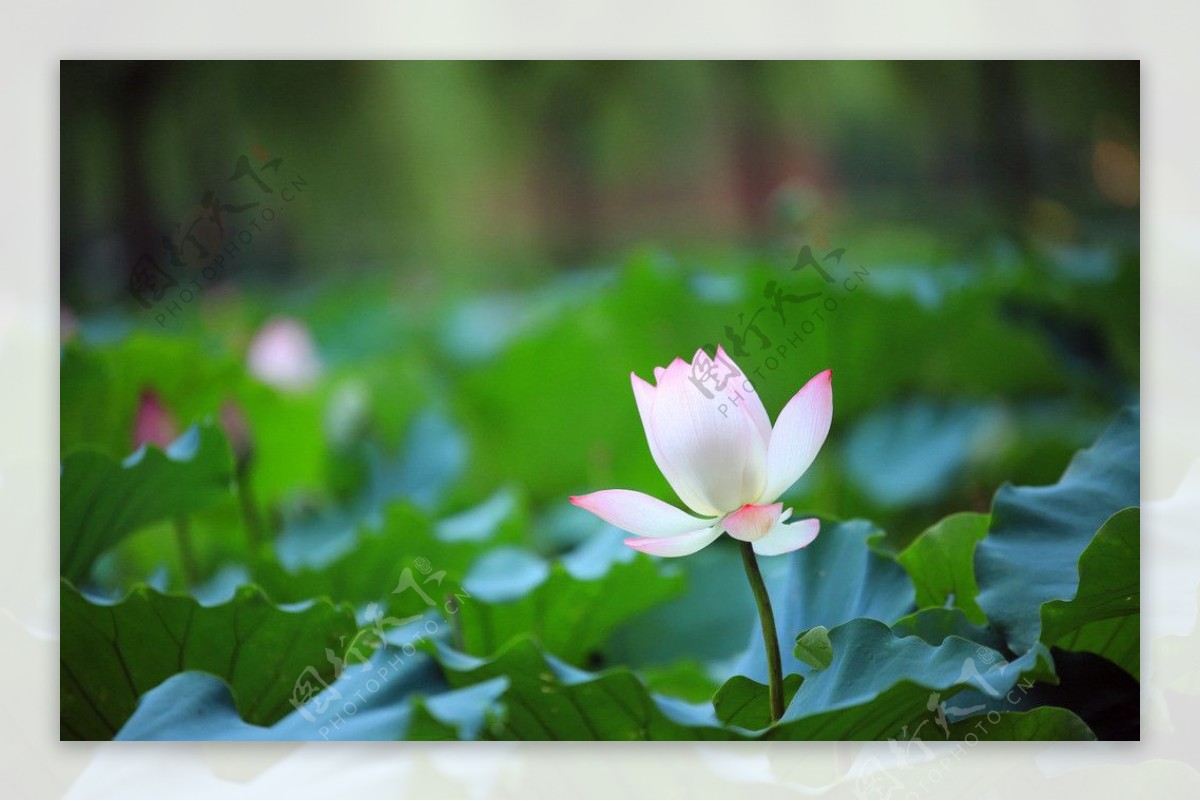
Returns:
(153,424)
(237,429)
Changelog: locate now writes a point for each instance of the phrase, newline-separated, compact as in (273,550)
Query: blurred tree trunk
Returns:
(1005,160)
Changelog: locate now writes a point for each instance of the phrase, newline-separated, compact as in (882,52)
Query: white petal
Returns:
(732,399)
(786,537)
(709,447)
(748,401)
(754,472)
(679,545)
(645,396)
(639,513)
(798,435)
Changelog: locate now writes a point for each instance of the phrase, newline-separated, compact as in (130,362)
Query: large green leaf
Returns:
(708,624)
(457,714)
(746,704)
(218,548)
(492,590)
(837,578)
(103,499)
(200,706)
(549,700)
(915,452)
(89,415)
(111,654)
(880,685)
(1104,616)
(935,624)
(398,692)
(403,565)
(571,605)
(941,563)
(283,463)
(1043,723)
(683,679)
(1031,554)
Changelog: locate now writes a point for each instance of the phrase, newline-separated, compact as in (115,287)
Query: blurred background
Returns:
(428,282)
(487,174)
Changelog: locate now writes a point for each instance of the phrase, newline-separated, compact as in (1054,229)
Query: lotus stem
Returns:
(770,637)
(250,515)
(187,554)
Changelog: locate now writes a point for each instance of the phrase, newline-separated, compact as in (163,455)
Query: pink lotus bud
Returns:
(154,424)
(283,355)
(237,430)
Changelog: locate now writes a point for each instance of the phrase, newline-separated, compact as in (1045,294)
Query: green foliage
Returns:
(941,563)
(104,500)
(569,615)
(101,388)
(372,570)
(405,517)
(1104,616)
(746,704)
(547,700)
(1037,535)
(814,649)
(838,578)
(1043,723)
(685,680)
(112,654)
(879,685)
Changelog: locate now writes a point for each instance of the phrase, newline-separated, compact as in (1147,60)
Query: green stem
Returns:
(187,556)
(250,516)
(770,638)
(456,628)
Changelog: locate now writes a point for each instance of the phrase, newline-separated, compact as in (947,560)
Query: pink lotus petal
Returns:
(798,435)
(679,545)
(639,513)
(787,537)
(751,522)
(154,423)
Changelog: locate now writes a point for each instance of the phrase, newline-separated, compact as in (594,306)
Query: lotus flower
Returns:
(724,460)
(283,355)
